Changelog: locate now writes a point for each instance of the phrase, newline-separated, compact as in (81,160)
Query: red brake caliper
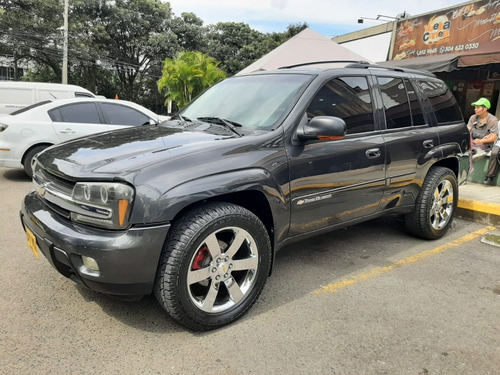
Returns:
(199,258)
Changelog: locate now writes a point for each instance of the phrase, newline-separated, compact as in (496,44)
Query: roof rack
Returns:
(360,64)
(354,62)
(394,69)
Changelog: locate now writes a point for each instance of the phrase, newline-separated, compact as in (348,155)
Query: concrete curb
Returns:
(482,212)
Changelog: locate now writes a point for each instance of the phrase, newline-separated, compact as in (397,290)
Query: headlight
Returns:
(103,204)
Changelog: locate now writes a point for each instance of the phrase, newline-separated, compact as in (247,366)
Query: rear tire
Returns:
(213,267)
(29,157)
(435,205)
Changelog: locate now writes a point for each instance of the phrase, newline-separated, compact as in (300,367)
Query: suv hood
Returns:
(123,151)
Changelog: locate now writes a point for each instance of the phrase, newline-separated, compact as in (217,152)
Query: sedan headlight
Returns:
(103,204)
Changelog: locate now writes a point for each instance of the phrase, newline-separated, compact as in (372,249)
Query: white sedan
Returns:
(26,132)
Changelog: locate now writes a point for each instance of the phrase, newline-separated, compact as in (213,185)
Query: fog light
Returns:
(90,263)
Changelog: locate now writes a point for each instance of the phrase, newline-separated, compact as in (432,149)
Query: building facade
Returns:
(460,44)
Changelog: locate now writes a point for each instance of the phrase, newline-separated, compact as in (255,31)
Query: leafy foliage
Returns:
(187,76)
(119,46)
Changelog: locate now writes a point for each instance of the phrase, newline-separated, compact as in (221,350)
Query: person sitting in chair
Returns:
(484,131)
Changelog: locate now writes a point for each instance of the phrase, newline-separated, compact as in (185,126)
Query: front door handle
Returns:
(428,143)
(373,153)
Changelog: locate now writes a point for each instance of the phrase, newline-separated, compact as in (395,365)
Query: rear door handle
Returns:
(373,153)
(429,143)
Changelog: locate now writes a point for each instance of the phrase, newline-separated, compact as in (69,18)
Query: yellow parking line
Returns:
(332,288)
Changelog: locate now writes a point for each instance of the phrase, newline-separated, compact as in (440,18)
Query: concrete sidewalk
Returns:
(480,203)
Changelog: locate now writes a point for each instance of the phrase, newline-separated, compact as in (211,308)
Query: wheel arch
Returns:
(450,163)
(254,201)
(27,151)
(253,189)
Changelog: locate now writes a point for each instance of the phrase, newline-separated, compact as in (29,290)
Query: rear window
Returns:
(396,104)
(444,104)
(78,113)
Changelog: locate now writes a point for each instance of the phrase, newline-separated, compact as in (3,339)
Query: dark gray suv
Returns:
(195,209)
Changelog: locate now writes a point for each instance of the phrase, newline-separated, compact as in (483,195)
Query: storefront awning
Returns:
(437,63)
(488,53)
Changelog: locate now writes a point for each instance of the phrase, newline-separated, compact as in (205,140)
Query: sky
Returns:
(327,17)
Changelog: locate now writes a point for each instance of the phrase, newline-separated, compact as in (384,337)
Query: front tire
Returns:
(435,205)
(213,267)
(29,157)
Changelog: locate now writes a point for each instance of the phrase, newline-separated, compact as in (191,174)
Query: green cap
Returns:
(482,101)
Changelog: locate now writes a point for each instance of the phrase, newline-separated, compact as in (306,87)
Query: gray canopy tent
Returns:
(305,47)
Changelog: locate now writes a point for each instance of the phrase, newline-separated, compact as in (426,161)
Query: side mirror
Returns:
(324,128)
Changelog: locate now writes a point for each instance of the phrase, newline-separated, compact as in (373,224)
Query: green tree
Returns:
(236,45)
(188,75)
(226,42)
(189,31)
(133,36)
(29,32)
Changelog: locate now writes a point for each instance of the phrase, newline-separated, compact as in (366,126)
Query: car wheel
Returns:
(29,157)
(214,265)
(435,205)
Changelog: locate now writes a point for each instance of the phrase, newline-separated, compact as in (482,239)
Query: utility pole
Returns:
(65,46)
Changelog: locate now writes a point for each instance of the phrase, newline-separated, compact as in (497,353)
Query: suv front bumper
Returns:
(127,259)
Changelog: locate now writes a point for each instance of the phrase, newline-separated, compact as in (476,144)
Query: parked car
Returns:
(196,208)
(30,130)
(15,95)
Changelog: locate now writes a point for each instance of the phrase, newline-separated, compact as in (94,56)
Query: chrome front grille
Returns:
(41,176)
(54,191)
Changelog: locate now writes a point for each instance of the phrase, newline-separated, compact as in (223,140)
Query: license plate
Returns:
(32,242)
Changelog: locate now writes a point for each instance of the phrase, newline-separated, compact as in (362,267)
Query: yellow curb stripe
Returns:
(334,287)
(488,208)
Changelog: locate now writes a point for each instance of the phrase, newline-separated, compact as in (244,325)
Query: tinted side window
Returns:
(415,106)
(395,100)
(81,112)
(443,102)
(117,114)
(348,98)
(55,115)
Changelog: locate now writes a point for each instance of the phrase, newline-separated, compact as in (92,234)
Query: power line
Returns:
(56,53)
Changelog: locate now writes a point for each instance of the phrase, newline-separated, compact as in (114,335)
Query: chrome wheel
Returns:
(214,265)
(223,269)
(442,205)
(433,213)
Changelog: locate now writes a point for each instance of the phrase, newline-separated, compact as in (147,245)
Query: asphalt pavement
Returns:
(368,299)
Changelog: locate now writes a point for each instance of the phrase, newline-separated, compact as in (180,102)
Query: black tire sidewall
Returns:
(437,176)
(237,218)
(29,157)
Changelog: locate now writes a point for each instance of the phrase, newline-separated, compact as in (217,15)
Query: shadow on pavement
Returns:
(299,269)
(16,174)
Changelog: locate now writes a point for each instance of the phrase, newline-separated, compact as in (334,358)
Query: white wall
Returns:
(374,47)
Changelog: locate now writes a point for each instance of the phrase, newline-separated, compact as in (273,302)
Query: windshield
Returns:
(257,101)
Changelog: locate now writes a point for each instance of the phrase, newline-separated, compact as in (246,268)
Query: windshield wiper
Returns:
(231,125)
(183,120)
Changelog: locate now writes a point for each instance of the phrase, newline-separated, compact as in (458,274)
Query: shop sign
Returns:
(452,30)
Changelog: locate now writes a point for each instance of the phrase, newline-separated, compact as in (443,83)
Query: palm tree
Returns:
(188,75)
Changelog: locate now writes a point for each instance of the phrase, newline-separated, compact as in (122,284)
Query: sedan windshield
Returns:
(257,101)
